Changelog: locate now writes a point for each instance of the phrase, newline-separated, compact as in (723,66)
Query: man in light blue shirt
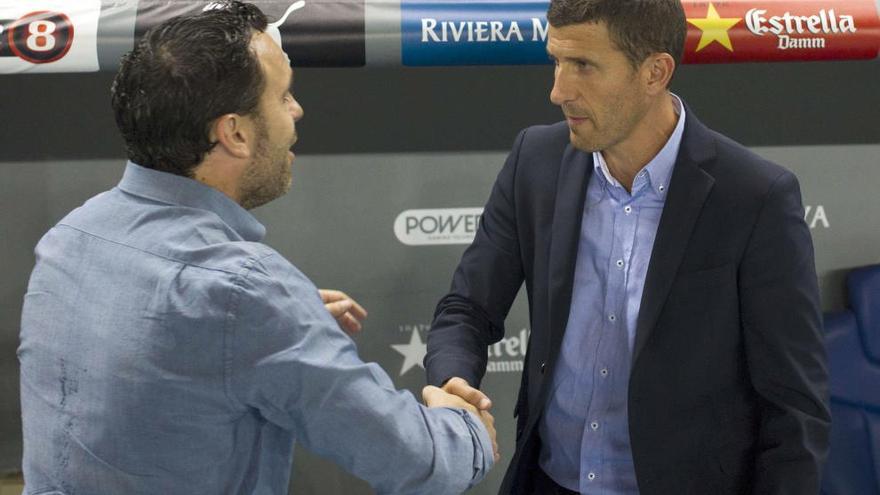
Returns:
(585,430)
(165,349)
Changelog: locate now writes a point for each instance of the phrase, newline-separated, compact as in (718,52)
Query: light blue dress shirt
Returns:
(584,429)
(165,350)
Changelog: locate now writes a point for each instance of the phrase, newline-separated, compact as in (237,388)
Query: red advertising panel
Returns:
(775,31)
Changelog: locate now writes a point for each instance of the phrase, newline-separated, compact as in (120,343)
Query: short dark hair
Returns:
(638,27)
(181,76)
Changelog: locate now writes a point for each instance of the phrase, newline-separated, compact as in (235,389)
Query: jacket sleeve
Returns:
(782,325)
(471,316)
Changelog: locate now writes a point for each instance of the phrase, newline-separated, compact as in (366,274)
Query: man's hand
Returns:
(436,397)
(347,311)
(458,386)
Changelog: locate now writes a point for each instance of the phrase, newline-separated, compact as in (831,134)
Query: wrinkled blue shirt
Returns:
(165,350)
(584,428)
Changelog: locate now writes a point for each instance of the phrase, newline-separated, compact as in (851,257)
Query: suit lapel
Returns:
(571,189)
(688,189)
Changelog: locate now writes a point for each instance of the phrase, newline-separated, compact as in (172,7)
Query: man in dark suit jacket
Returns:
(655,250)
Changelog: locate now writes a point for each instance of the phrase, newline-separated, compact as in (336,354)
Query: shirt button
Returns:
(594,425)
(612,318)
(619,263)
(591,476)
(628,209)
(604,371)
(662,188)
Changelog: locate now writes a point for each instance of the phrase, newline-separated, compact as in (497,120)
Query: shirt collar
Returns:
(182,191)
(658,171)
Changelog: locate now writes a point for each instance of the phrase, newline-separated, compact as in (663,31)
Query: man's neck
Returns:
(220,175)
(627,158)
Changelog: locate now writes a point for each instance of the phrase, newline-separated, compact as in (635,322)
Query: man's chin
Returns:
(580,143)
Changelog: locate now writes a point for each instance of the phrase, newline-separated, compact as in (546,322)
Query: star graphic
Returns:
(413,353)
(714,28)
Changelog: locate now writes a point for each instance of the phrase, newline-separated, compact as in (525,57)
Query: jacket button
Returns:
(543,366)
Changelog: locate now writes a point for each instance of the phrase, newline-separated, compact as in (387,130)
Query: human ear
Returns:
(233,133)
(657,71)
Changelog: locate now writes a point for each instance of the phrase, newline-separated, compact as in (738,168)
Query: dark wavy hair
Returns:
(181,76)
(638,27)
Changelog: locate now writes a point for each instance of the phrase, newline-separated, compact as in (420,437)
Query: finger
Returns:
(357,310)
(489,421)
(329,295)
(458,386)
(488,417)
(338,308)
(349,323)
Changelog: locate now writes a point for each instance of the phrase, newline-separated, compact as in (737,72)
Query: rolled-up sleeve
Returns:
(286,357)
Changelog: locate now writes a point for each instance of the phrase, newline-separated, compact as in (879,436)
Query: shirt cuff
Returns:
(484,456)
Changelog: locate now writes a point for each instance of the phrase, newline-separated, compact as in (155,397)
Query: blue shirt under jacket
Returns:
(584,429)
(164,349)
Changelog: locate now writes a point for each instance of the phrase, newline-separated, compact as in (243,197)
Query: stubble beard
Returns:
(617,124)
(268,177)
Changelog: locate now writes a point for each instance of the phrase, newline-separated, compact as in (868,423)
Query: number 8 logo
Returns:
(41,37)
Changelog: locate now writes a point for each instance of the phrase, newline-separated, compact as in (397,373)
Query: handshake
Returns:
(455,393)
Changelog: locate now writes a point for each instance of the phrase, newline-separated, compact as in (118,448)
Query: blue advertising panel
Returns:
(473,33)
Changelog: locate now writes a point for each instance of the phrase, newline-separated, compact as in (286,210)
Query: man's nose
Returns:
(296,110)
(561,92)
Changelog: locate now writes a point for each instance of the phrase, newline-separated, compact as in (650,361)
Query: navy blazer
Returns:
(728,388)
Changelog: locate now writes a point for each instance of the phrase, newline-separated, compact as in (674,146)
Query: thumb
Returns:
(458,386)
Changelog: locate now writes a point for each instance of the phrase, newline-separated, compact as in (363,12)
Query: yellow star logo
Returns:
(714,28)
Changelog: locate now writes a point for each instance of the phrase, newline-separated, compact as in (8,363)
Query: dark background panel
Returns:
(50,116)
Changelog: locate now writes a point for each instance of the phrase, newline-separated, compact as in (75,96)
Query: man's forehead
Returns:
(576,37)
(281,56)
(271,55)
(275,43)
